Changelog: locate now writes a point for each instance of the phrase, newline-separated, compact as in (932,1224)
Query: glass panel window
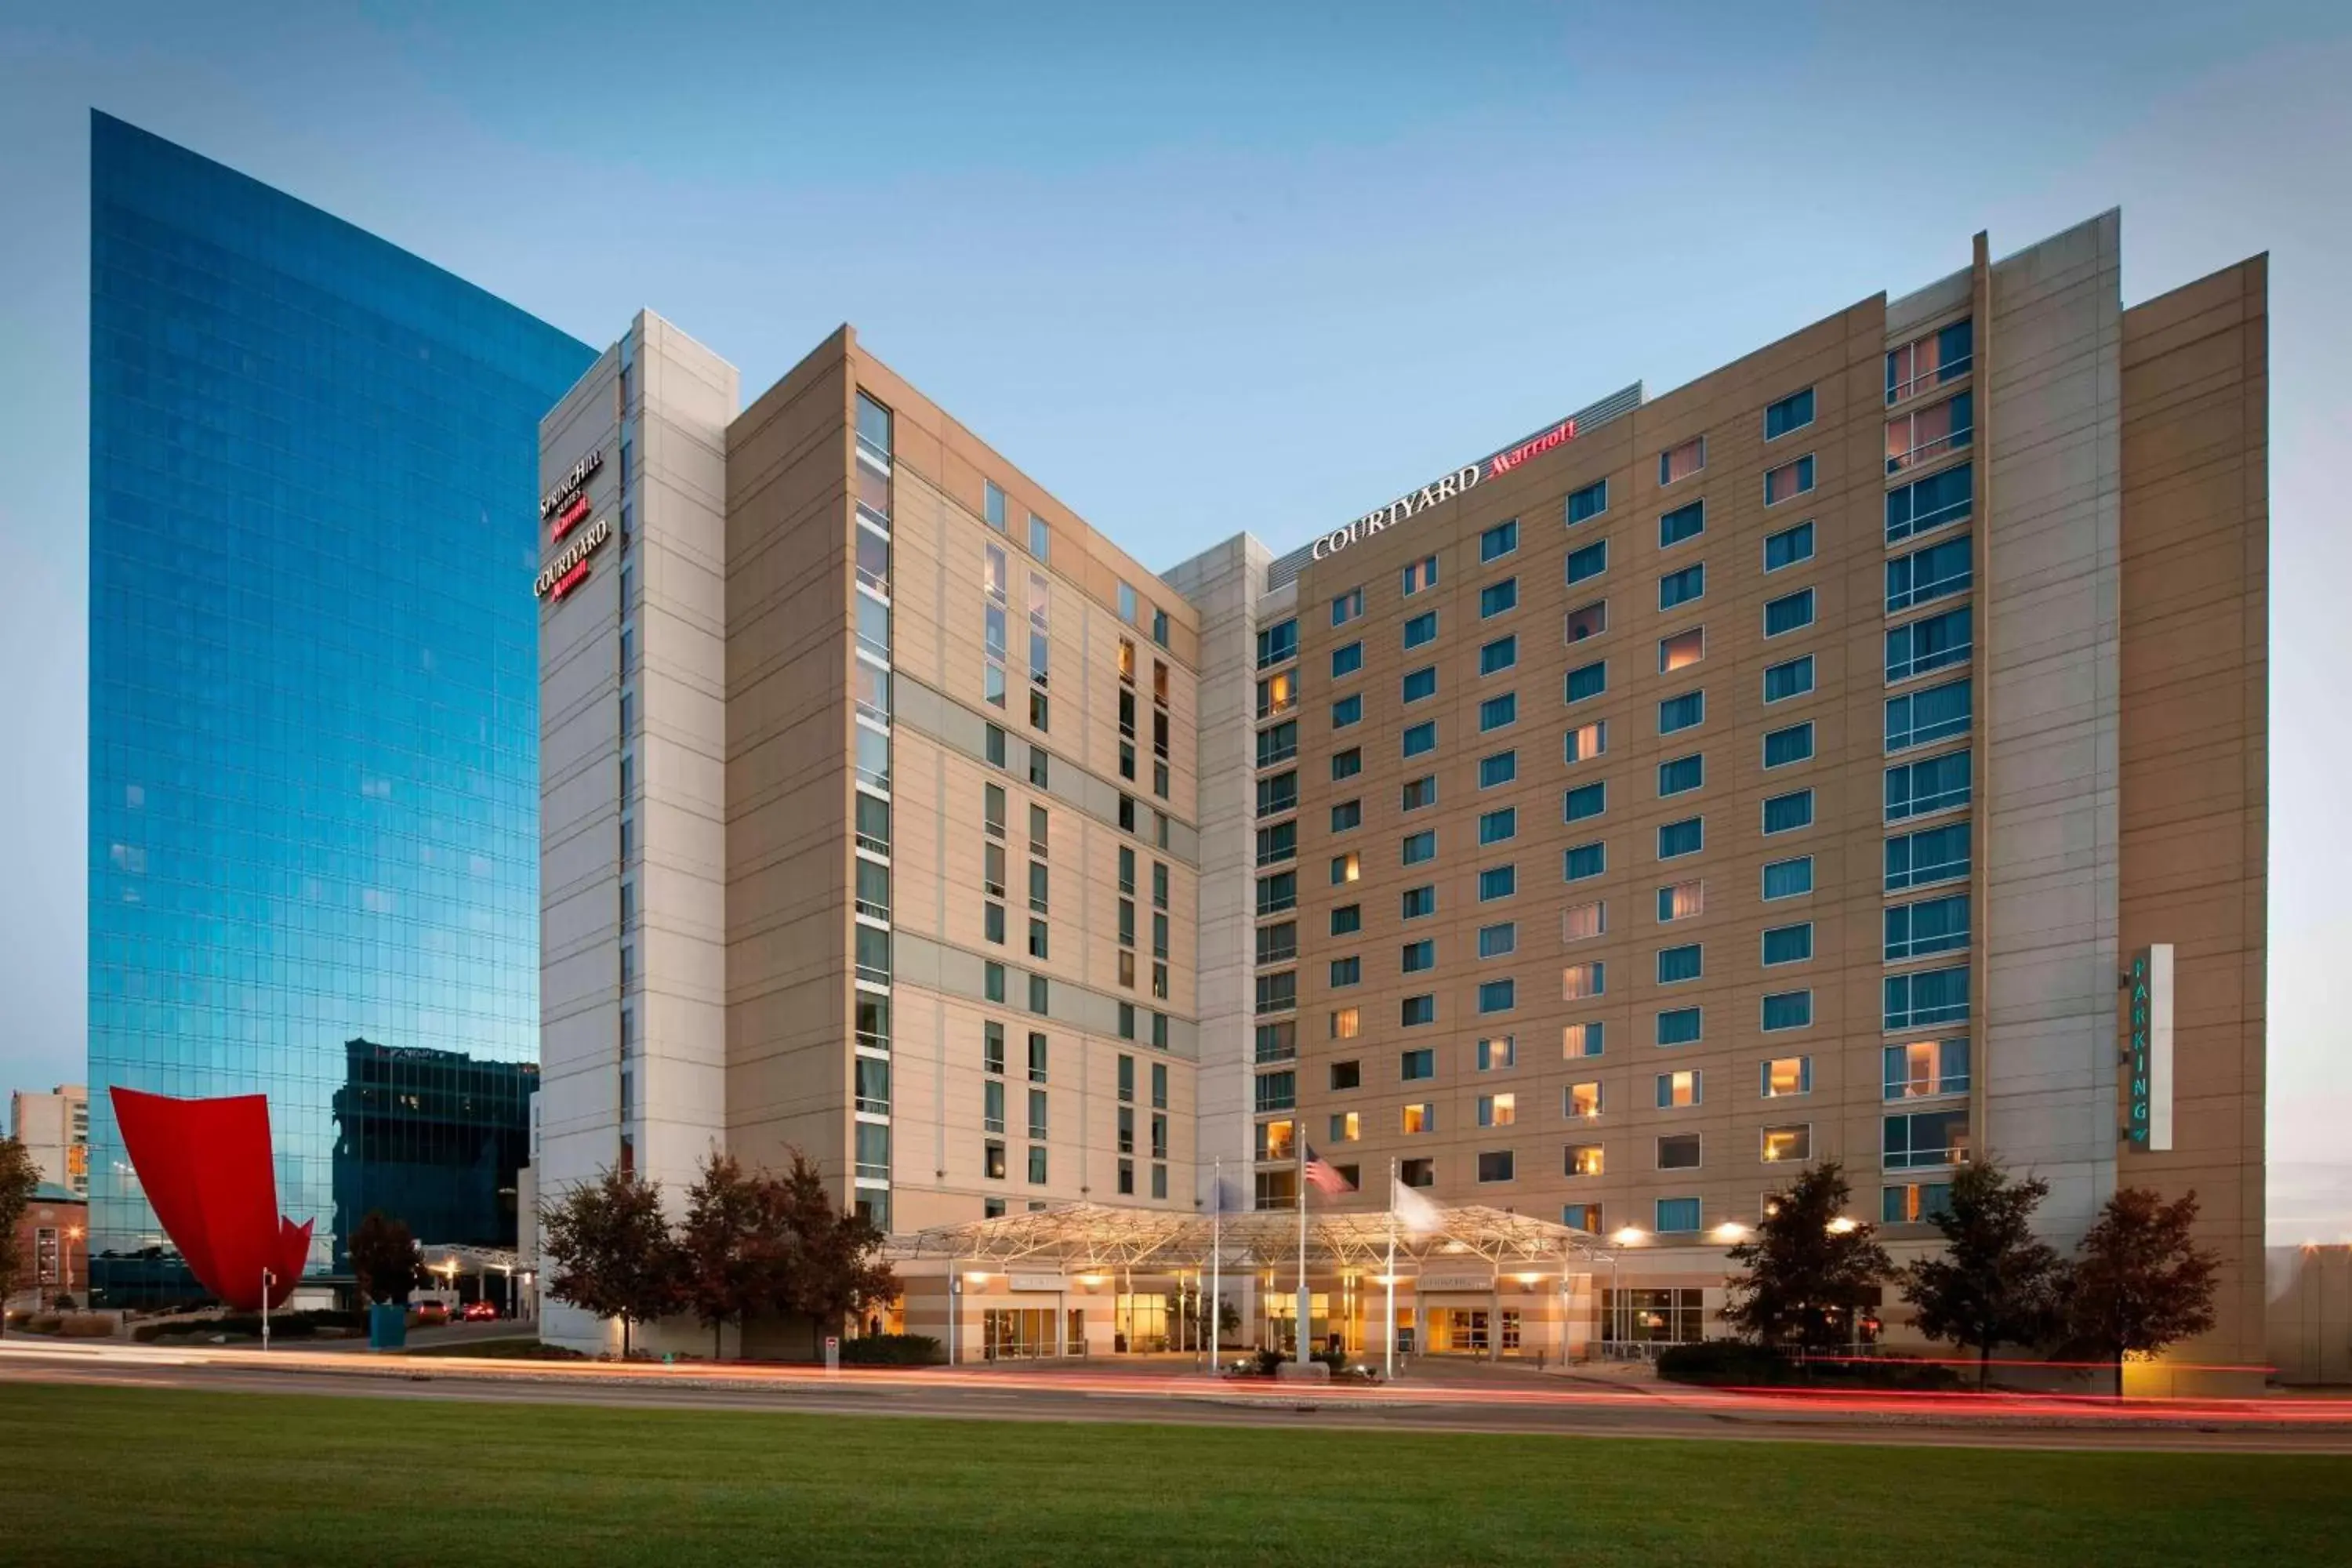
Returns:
(1588,620)
(1925,434)
(1589,502)
(1676,964)
(1930,362)
(1680,902)
(1348,710)
(1500,655)
(1420,575)
(1418,848)
(1789,944)
(1498,542)
(1675,1216)
(1793,412)
(1681,587)
(1422,628)
(1417,902)
(1931,855)
(1418,793)
(1583,861)
(1498,769)
(1938,571)
(1924,1068)
(1347,659)
(1928,926)
(1499,826)
(1682,712)
(1783,1076)
(1347,764)
(1498,940)
(1581,1101)
(1789,480)
(1789,612)
(993,504)
(1413,1065)
(1585,801)
(1789,879)
(1497,597)
(1498,712)
(1946,496)
(1681,462)
(1347,606)
(1586,741)
(1682,650)
(1917,718)
(1916,1203)
(1589,680)
(1787,1010)
(1345,869)
(1678,1090)
(1681,1025)
(1682,774)
(1418,1010)
(1678,1151)
(1920,1139)
(1583,1160)
(1793,1142)
(1927,996)
(1421,737)
(1578,1041)
(1496,1165)
(1497,882)
(1791,679)
(1579,981)
(1346,1024)
(1274,643)
(1684,837)
(1581,922)
(1786,812)
(1789,546)
(1682,522)
(1933,642)
(1498,1110)
(1590,562)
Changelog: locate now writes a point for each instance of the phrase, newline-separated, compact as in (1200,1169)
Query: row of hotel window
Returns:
(1915,1069)
(1908,1203)
(992,1096)
(873,437)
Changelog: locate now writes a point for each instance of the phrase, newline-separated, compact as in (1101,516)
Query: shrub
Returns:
(891,1350)
(1269,1363)
(89,1326)
(1737,1363)
(1336,1360)
(44,1323)
(1721,1362)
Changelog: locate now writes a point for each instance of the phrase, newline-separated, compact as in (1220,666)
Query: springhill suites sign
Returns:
(1461,482)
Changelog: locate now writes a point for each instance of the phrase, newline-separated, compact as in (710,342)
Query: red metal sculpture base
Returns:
(207,1171)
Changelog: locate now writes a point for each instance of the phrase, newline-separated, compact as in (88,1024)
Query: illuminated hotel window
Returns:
(1682,650)
(1581,1101)
(1680,1089)
(1346,1023)
(1587,621)
(1498,1110)
(1794,1142)
(1421,1118)
(1579,981)
(1784,1076)
(1789,480)
(1681,462)
(1580,1040)
(1420,575)
(1496,1051)
(1680,901)
(1344,868)
(1588,740)
(1346,1127)
(1584,1159)
(1582,922)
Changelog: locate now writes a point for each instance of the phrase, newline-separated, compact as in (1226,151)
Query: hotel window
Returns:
(1938,571)
(1495,1165)
(1497,597)
(993,580)
(1415,1065)
(1781,1076)
(1680,1025)
(1675,1216)
(1347,920)
(1421,737)
(1348,710)
(1419,684)
(1277,893)
(1126,658)
(1943,497)
(1678,1151)
(1682,712)
(1497,882)
(1788,945)
(1277,1091)
(1498,542)
(1931,855)
(1916,1202)
(1418,793)
(1932,783)
(1680,902)
(1792,1141)
(1037,1107)
(1417,848)
(992,982)
(1274,643)
(1793,744)
(1347,1075)
(1787,813)
(1277,744)
(1422,628)
(1578,1041)
(1582,922)
(1681,587)
(1925,434)
(1789,879)
(1585,801)
(1679,1090)
(1498,712)
(1498,1110)
(1346,1023)
(1793,412)
(1275,944)
(1276,694)
(1579,981)
(1581,1102)
(1929,926)
(1590,562)
(1345,869)
(1420,1118)
(992,1160)
(992,1047)
(1416,1011)
(1346,1127)
(1587,621)
(1930,360)
(1682,522)
(1278,993)
(1792,679)
(1589,502)
(1498,769)
(1040,767)
(1789,546)
(1037,1054)
(1417,956)
(1681,462)
(1588,681)
(1497,1052)
(1275,796)
(1925,1068)
(993,504)
(1277,843)
(1682,774)
(1682,650)
(1789,480)
(1418,1172)
(1347,764)
(1498,826)
(1420,575)
(1787,1010)
(1676,964)
(1918,716)
(1583,861)
(1586,741)
(1931,643)
(1417,902)
(1500,654)
(1789,612)
(1347,972)
(1583,1160)
(1685,838)
(1346,660)
(1346,816)
(1925,1138)
(1347,606)
(1041,538)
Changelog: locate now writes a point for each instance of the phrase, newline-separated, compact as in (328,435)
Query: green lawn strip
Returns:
(206,1478)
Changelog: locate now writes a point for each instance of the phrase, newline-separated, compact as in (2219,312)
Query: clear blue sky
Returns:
(1223,266)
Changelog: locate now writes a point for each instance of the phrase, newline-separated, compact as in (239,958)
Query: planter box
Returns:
(387,1326)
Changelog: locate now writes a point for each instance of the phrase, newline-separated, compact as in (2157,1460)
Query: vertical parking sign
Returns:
(2148,1049)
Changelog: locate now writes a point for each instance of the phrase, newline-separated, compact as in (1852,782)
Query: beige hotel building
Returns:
(1792,766)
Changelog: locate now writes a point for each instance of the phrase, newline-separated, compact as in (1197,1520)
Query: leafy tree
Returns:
(18,1177)
(385,1257)
(2139,1281)
(1997,1283)
(833,1268)
(734,1246)
(1808,1269)
(613,1251)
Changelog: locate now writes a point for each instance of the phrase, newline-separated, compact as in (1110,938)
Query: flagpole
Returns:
(1389,1375)
(1299,1142)
(1216,1255)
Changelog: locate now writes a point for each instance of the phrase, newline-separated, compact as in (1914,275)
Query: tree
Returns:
(1997,1283)
(833,1269)
(613,1251)
(18,1177)
(734,1246)
(2139,1281)
(385,1257)
(1808,1269)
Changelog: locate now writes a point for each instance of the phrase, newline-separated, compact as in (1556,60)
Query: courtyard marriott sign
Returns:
(569,570)
(1461,482)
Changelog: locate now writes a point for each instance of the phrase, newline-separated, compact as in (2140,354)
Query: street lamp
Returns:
(73,1234)
(1842,1225)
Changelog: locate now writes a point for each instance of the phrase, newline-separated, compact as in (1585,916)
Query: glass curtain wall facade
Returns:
(313,768)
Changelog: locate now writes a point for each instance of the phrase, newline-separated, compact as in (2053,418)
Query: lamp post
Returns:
(73,1234)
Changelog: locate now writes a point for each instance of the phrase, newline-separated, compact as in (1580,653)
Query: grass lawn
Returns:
(168,1477)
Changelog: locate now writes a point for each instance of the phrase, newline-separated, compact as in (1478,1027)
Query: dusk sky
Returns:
(1220,268)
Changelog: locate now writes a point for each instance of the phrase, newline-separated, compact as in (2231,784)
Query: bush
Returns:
(1269,1363)
(891,1350)
(1336,1360)
(44,1323)
(1737,1363)
(89,1326)
(1721,1362)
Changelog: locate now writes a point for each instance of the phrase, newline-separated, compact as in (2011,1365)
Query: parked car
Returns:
(479,1312)
(431,1314)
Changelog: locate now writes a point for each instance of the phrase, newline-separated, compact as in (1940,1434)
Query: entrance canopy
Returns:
(1078,1237)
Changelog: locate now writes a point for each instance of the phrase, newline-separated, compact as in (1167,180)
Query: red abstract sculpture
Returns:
(207,1168)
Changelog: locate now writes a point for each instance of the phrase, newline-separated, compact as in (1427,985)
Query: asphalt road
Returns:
(1557,1405)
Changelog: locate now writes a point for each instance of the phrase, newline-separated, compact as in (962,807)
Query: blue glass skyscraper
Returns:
(314,716)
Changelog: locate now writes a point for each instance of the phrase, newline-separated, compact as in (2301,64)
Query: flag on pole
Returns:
(1323,1176)
(1412,1211)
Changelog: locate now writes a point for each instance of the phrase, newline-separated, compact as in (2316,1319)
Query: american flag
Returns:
(1323,1176)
